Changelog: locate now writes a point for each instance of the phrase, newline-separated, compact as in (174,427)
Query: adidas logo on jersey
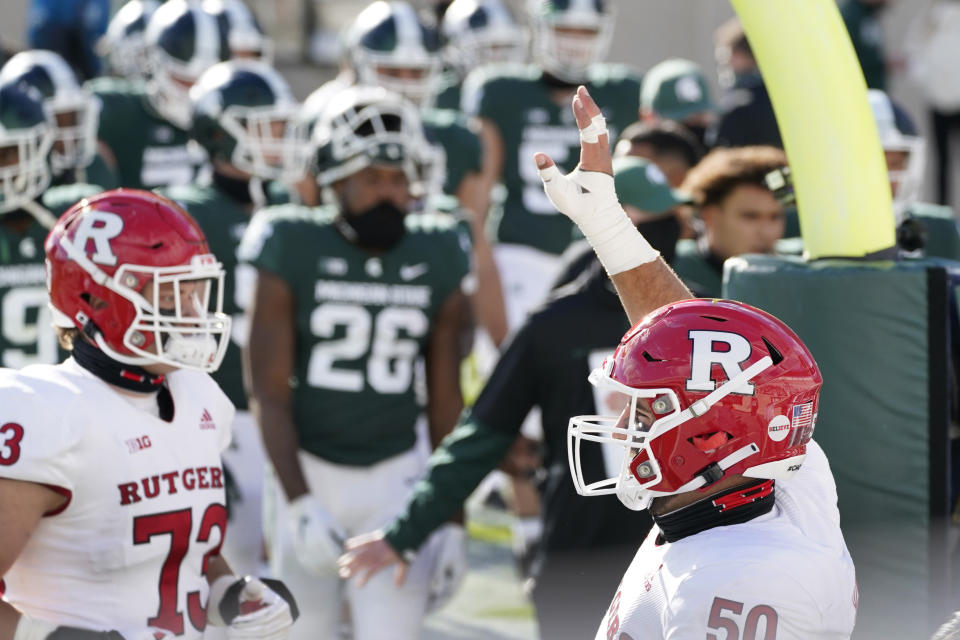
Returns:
(206,421)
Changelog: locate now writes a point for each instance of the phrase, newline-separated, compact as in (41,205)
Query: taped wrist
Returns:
(614,238)
(223,605)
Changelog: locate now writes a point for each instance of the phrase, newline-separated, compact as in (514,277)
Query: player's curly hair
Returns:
(723,170)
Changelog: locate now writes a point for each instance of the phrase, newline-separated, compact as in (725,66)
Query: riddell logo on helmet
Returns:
(100,227)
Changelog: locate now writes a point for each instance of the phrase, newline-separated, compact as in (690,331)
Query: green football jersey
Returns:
(448,92)
(517,100)
(96,173)
(223,221)
(462,150)
(26,334)
(362,323)
(150,151)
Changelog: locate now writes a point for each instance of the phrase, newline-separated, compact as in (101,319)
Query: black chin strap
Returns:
(735,506)
(125,376)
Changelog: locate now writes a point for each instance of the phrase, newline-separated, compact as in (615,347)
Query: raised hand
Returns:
(594,138)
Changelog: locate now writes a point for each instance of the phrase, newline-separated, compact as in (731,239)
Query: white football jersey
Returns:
(784,575)
(145,498)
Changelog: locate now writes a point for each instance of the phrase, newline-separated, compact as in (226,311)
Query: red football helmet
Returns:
(132,271)
(712,388)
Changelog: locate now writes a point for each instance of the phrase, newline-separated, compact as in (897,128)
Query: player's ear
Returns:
(710,214)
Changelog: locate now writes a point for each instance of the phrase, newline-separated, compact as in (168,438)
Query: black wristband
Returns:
(230,604)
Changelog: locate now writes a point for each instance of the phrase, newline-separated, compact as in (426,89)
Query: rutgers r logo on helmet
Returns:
(715,388)
(99,227)
(132,271)
(705,354)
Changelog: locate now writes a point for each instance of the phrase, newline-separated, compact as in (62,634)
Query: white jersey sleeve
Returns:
(37,441)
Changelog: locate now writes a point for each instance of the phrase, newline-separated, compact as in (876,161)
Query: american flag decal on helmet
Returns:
(801,422)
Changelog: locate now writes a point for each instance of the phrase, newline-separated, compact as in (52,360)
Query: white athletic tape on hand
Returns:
(596,128)
(590,200)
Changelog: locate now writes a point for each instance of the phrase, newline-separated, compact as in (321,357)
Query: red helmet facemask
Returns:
(132,271)
(713,388)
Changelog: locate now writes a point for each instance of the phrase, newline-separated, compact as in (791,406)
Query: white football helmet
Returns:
(479,32)
(897,135)
(389,46)
(183,41)
(26,135)
(559,49)
(124,42)
(244,113)
(75,112)
(363,126)
(240,29)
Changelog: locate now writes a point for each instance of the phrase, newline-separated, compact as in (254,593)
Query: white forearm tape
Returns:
(590,200)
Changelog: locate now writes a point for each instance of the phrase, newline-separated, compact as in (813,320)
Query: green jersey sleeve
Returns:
(475,447)
(262,244)
(463,152)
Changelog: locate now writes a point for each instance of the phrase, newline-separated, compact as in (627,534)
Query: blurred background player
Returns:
(245,117)
(746,115)
(920,225)
(389,45)
(520,106)
(181,42)
(476,33)
(348,298)
(124,45)
(677,90)
(75,112)
(29,207)
(240,30)
(739,214)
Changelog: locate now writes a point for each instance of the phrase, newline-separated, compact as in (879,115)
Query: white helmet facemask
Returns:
(565,54)
(22,181)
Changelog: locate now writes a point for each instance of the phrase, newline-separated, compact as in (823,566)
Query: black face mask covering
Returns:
(700,133)
(662,234)
(379,227)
